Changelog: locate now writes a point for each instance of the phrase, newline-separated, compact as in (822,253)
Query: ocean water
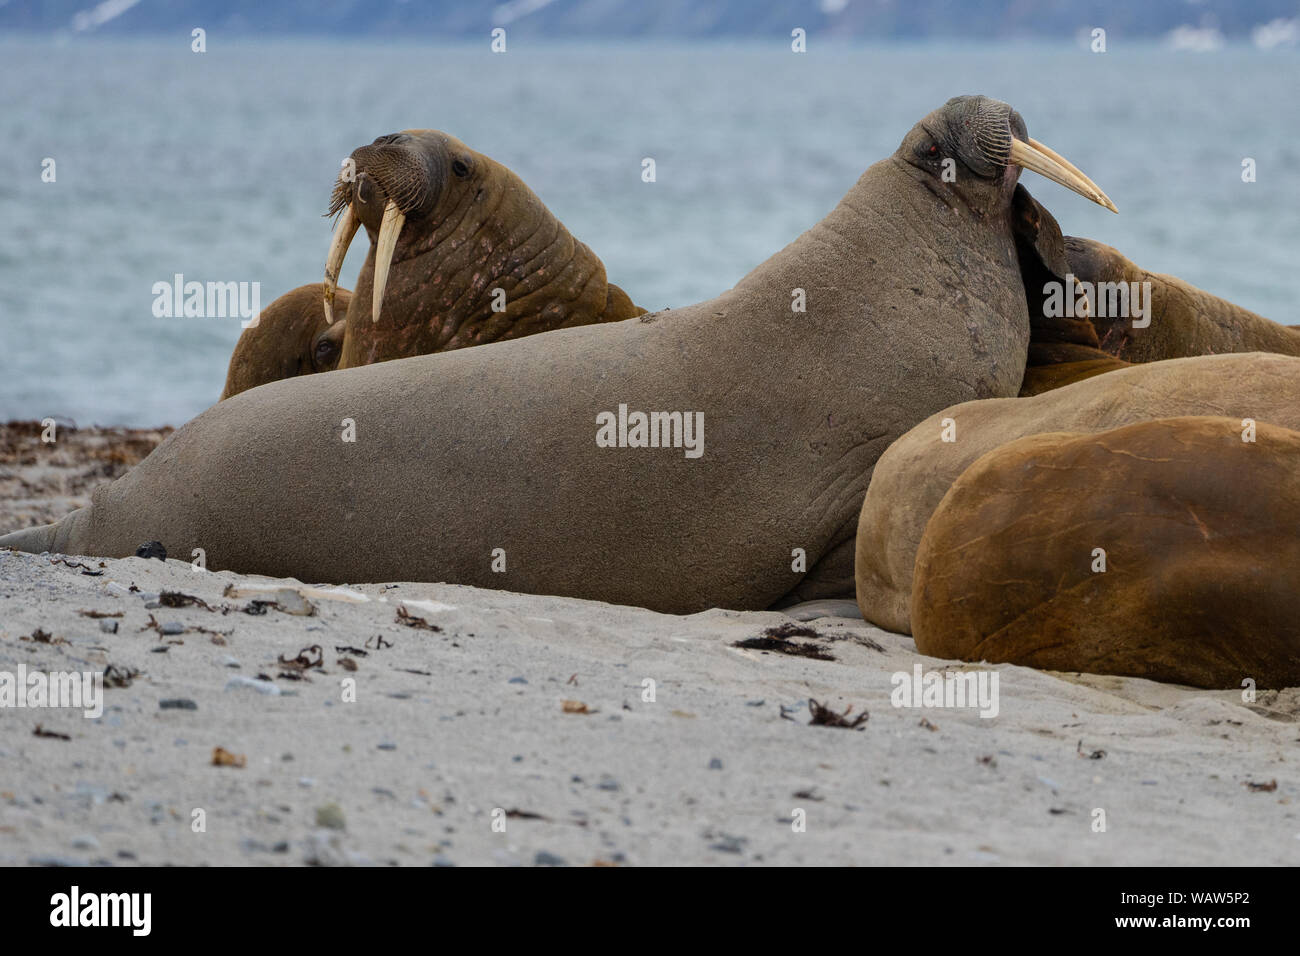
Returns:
(219,166)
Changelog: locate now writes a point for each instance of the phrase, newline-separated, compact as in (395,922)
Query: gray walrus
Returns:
(1166,549)
(291,338)
(714,456)
(912,477)
(462,252)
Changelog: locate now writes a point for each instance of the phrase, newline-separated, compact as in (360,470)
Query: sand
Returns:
(456,731)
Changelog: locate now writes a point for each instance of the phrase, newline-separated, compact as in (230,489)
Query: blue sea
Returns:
(218,166)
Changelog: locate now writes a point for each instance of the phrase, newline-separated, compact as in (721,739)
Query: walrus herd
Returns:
(1014,444)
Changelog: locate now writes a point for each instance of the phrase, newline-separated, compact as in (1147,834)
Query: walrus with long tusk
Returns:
(462,252)
(715,457)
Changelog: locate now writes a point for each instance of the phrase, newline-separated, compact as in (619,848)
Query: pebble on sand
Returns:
(331,817)
(261,686)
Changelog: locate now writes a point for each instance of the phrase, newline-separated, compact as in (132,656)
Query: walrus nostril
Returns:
(396,171)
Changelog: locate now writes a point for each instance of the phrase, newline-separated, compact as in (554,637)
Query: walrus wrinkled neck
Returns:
(842,249)
(992,203)
(889,252)
(496,265)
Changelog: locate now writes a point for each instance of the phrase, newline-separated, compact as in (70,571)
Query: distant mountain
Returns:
(1207,21)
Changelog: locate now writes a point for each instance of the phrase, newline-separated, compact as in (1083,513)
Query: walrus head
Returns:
(289,339)
(971,150)
(463,252)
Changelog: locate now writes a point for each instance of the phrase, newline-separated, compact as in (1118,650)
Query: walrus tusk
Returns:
(1053,154)
(388,232)
(1047,162)
(347,228)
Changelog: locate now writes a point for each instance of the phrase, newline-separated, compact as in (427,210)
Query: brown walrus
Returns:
(290,338)
(914,474)
(1093,311)
(462,252)
(1184,320)
(461,227)
(1168,549)
(574,463)
(1105,332)
(1062,348)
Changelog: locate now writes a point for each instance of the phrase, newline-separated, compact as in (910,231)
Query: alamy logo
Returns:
(932,689)
(103,909)
(1114,300)
(651,430)
(83,691)
(215,300)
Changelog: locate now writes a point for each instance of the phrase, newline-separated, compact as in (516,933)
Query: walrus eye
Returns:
(460,168)
(325,351)
(933,151)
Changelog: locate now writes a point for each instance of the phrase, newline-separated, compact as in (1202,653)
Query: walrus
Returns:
(1094,311)
(462,252)
(1167,549)
(1063,348)
(575,463)
(1184,320)
(469,255)
(914,474)
(291,338)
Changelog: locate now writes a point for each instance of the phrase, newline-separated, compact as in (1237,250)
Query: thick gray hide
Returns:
(913,305)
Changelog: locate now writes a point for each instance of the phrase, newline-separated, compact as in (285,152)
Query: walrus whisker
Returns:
(339,198)
(389,229)
(343,233)
(992,134)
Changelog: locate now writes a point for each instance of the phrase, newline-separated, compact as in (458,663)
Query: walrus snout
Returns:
(396,176)
(397,168)
(990,138)
(365,199)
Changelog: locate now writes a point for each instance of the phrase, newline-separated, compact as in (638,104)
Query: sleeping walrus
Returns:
(1095,311)
(912,477)
(1166,549)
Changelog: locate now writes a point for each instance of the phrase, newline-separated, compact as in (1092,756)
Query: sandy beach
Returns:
(420,724)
